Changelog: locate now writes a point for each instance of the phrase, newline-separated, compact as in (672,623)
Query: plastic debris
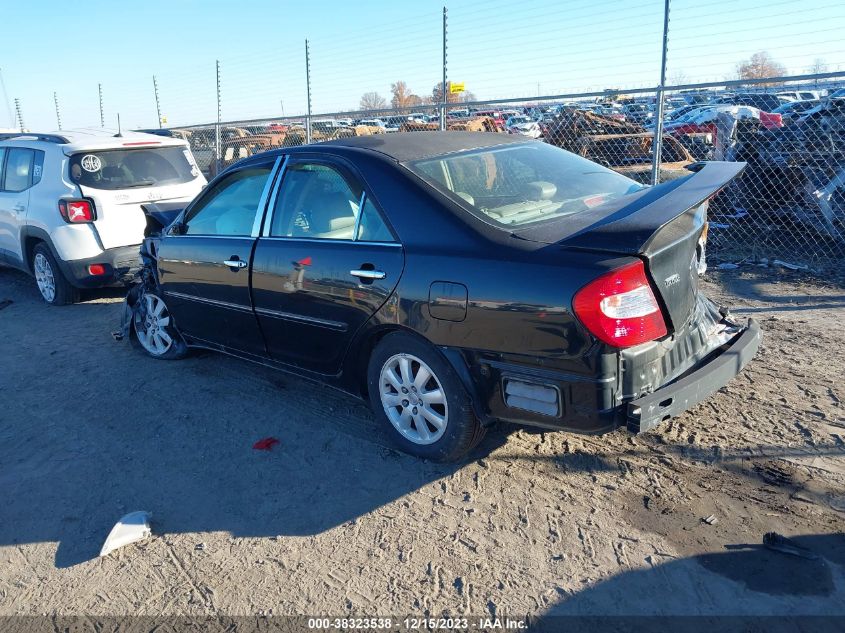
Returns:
(719,225)
(710,520)
(199,546)
(727,266)
(266,444)
(788,265)
(779,543)
(132,528)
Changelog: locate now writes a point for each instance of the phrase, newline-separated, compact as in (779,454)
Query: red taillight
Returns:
(77,211)
(96,269)
(619,307)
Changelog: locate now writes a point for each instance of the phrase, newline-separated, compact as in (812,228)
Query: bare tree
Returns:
(818,66)
(760,66)
(678,78)
(403,98)
(372,101)
(437,93)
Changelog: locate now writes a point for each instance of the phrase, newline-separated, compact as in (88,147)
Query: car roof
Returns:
(418,145)
(85,139)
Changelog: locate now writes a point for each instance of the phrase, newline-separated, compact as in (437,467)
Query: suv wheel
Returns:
(415,391)
(54,288)
(154,329)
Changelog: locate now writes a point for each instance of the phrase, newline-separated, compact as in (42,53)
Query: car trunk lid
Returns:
(661,225)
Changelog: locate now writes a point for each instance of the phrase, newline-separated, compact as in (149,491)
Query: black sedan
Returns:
(453,279)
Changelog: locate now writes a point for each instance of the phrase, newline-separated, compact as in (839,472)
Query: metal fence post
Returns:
(217,127)
(308,90)
(158,105)
(58,115)
(443,85)
(657,143)
(102,117)
(19,114)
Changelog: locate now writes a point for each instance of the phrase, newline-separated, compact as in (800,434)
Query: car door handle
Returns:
(368,274)
(18,208)
(235,263)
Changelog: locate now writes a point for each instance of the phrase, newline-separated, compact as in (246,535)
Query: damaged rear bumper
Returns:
(676,397)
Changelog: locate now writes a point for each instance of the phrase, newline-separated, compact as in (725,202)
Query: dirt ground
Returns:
(334,521)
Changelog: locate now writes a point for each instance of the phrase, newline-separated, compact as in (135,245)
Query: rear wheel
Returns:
(154,329)
(55,289)
(415,391)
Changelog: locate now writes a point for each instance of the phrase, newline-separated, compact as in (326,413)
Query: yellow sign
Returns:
(163,120)
(455,88)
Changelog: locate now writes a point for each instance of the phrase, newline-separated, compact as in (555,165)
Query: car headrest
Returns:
(541,190)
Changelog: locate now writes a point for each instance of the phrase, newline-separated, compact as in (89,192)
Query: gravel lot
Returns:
(333,521)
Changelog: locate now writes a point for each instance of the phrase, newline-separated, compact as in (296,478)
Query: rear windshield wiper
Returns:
(142,183)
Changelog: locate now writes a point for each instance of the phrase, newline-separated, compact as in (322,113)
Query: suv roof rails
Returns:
(49,138)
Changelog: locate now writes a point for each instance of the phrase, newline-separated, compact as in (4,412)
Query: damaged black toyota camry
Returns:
(453,279)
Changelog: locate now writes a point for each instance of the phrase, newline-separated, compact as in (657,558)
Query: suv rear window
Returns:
(125,169)
(520,184)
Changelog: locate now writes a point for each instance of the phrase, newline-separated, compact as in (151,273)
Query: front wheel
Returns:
(155,330)
(414,390)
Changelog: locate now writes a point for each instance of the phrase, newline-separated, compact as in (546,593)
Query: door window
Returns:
(230,206)
(18,172)
(316,201)
(372,227)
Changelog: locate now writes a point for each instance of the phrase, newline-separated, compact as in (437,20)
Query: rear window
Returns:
(522,184)
(125,169)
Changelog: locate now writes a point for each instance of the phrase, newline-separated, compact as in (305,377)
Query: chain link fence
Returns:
(788,206)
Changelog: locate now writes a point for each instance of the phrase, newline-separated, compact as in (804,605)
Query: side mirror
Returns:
(177,228)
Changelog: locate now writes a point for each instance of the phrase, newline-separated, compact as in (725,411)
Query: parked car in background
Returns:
(453,279)
(793,110)
(496,115)
(801,95)
(71,203)
(704,121)
(760,100)
(376,123)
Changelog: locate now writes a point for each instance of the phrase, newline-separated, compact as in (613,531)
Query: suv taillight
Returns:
(619,307)
(77,211)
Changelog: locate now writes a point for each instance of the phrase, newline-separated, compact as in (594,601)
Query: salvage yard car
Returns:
(71,204)
(453,279)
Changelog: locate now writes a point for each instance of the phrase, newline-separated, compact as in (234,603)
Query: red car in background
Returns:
(705,120)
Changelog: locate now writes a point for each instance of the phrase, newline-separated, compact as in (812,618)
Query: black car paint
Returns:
(514,318)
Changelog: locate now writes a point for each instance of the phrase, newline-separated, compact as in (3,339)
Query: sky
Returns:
(498,48)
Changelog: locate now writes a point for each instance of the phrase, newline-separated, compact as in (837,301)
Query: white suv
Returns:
(71,203)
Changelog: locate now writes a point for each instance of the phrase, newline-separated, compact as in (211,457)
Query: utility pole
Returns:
(657,142)
(58,116)
(102,117)
(6,100)
(217,148)
(308,90)
(445,95)
(158,105)
(19,114)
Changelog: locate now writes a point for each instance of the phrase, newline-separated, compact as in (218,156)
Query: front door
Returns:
(325,263)
(204,271)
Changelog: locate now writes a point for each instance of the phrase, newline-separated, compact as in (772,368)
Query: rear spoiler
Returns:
(625,225)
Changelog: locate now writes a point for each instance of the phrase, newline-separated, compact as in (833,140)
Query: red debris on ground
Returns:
(266,444)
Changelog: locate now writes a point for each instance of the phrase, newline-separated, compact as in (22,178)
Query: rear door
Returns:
(204,271)
(325,263)
(20,169)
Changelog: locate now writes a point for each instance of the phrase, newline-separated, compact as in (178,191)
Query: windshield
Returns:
(125,169)
(521,184)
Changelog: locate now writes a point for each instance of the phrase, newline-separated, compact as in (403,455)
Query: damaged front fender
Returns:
(146,280)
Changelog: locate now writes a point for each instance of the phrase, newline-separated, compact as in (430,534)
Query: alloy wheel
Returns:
(413,399)
(45,277)
(151,325)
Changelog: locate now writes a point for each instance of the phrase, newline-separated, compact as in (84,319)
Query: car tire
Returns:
(433,417)
(153,329)
(53,286)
